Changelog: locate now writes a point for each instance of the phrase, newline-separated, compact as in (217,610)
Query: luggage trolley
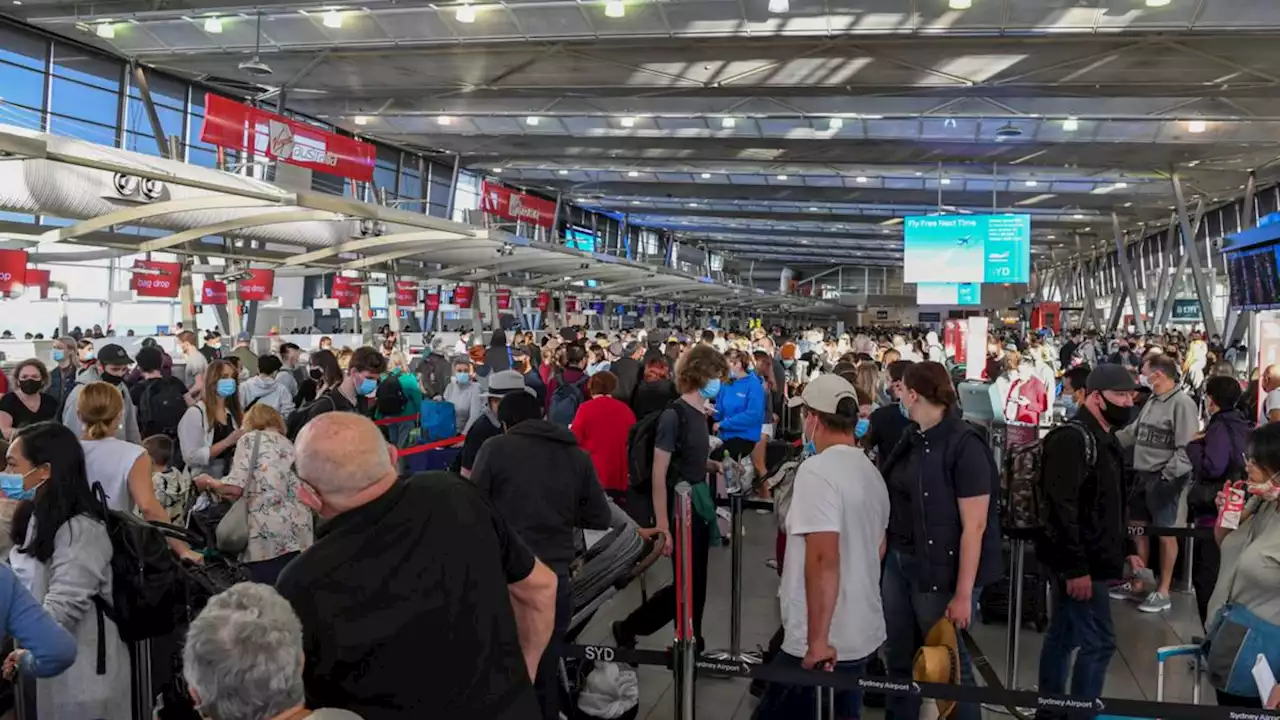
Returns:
(1170,652)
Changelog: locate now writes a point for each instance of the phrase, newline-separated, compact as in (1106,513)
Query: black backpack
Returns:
(147,586)
(566,400)
(303,414)
(640,443)
(1025,504)
(161,405)
(391,399)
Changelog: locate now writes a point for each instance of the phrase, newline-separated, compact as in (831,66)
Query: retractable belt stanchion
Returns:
(686,645)
(1188,564)
(1016,561)
(735,654)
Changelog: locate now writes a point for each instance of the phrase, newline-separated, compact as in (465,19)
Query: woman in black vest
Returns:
(943,538)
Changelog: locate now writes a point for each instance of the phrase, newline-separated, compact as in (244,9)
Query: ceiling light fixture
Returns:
(836,124)
(333,19)
(1032,183)
(635,202)
(614,9)
(105,30)
(861,179)
(360,120)
(1121,185)
(1077,216)
(779,6)
(628,122)
(728,123)
(1196,126)
(960,4)
(213,25)
(444,120)
(563,172)
(706,176)
(466,14)
(633,173)
(1071,124)
(782,177)
(497,171)
(254,65)
(532,120)
(1158,3)
(946,181)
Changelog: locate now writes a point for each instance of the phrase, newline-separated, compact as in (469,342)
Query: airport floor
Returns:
(1132,673)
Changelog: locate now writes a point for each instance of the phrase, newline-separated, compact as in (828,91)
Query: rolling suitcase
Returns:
(1169,652)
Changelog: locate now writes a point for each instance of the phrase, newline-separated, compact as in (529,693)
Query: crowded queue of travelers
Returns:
(890,514)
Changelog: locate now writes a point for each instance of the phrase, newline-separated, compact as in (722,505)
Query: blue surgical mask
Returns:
(11,486)
(462,378)
(903,408)
(1069,405)
(711,389)
(88,354)
(788,363)
(734,374)
(861,428)
(226,387)
(59,356)
(367,386)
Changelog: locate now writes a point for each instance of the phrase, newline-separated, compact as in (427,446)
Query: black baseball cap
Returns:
(1110,376)
(113,355)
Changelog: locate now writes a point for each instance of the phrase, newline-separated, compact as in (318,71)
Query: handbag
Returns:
(233,530)
(1235,639)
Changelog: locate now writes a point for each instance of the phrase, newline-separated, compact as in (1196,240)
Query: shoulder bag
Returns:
(233,529)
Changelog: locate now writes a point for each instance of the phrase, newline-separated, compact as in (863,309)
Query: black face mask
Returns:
(30,387)
(316,373)
(112,379)
(1115,415)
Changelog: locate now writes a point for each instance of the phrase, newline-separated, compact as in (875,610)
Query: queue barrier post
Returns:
(1188,565)
(686,644)
(735,653)
(1017,561)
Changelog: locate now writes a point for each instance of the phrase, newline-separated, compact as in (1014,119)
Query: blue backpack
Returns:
(438,420)
(566,400)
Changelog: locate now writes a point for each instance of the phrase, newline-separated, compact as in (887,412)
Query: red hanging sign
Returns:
(260,285)
(463,295)
(164,281)
(344,291)
(508,204)
(38,279)
(544,300)
(13,271)
(213,292)
(228,123)
(406,293)
(504,299)
(570,303)
(433,301)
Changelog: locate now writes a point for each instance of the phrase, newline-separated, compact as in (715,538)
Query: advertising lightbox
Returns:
(967,249)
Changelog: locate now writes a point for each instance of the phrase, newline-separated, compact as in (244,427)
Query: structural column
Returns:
(1126,270)
(1189,246)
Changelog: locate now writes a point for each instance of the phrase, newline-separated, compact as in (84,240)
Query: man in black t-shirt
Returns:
(681,454)
(416,600)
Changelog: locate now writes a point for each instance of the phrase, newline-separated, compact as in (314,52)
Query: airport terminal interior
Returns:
(286,170)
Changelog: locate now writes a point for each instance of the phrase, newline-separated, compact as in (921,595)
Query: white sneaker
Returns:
(1123,591)
(1156,602)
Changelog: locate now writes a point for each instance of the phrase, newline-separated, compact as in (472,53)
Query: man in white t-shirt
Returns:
(830,592)
(1271,399)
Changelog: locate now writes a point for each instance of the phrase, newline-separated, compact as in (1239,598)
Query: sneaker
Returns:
(1156,602)
(1123,591)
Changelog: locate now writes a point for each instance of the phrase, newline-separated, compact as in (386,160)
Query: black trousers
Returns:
(547,683)
(652,616)
(1207,557)
(738,448)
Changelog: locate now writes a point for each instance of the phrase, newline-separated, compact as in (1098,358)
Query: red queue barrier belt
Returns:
(393,420)
(447,442)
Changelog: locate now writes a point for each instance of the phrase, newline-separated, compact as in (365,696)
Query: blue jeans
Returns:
(909,613)
(1075,624)
(785,702)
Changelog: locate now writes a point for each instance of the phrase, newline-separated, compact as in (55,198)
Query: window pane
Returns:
(91,69)
(83,102)
(21,87)
(22,49)
(82,130)
(164,91)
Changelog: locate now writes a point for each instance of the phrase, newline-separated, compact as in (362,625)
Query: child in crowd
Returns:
(172,485)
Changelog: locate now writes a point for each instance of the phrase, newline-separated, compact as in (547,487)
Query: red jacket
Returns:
(601,426)
(1037,401)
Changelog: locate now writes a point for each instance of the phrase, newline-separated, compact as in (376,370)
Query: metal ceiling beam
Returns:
(1126,274)
(1189,246)
(427,239)
(508,264)
(132,214)
(234,225)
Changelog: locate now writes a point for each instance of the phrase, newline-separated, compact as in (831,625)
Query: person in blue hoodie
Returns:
(739,414)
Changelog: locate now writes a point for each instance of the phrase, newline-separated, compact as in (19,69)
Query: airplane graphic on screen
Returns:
(964,241)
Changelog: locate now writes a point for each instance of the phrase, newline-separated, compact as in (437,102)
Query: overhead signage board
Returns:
(230,124)
(260,285)
(13,271)
(967,249)
(1254,278)
(1186,310)
(502,201)
(948,294)
(157,279)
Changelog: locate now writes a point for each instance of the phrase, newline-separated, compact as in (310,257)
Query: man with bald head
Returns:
(416,599)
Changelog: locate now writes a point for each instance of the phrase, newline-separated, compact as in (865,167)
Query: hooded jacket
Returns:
(266,391)
(1221,450)
(544,486)
(740,408)
(128,429)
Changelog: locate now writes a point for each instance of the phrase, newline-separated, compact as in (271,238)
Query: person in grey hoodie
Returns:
(266,388)
(1168,422)
(112,366)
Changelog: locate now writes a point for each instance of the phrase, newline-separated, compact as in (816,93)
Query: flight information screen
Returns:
(967,249)
(948,294)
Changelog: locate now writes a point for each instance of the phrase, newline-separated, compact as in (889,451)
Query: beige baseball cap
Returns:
(824,394)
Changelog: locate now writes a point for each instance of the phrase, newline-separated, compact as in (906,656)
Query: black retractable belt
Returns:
(988,673)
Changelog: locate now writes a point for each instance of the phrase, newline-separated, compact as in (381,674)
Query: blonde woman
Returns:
(280,526)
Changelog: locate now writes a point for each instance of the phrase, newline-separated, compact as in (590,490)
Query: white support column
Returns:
(1204,293)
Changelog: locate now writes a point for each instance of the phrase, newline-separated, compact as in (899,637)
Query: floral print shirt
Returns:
(278,521)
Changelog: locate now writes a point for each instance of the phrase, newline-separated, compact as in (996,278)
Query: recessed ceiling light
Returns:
(1032,183)
(498,170)
(563,172)
(332,19)
(1071,124)
(1196,126)
(1158,3)
(466,14)
(212,25)
(532,120)
(836,124)
(105,30)
(706,176)
(693,205)
(779,6)
(861,178)
(1077,216)
(813,209)
(444,120)
(17,2)
(627,121)
(633,173)
(360,120)
(614,9)
(782,177)
(960,4)
(946,181)
(1121,185)
(1051,237)
(1128,204)
(728,123)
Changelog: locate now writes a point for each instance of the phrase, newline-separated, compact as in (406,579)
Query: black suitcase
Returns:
(1037,589)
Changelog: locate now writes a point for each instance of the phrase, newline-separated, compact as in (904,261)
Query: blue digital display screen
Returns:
(948,293)
(967,249)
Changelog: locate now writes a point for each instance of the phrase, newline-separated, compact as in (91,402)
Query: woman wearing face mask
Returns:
(66,358)
(87,355)
(464,393)
(943,543)
(739,414)
(1249,573)
(209,430)
(323,375)
(62,555)
(27,403)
